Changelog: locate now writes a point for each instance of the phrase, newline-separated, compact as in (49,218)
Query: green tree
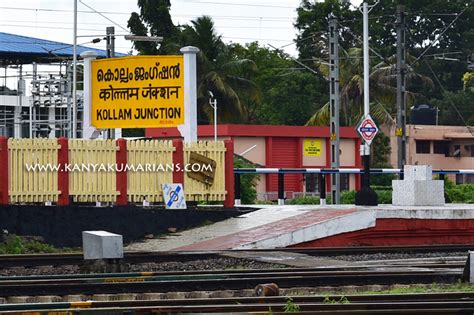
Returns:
(454,105)
(312,26)
(426,21)
(382,89)
(220,73)
(154,19)
(289,95)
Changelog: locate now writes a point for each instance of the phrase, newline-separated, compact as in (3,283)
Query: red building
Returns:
(284,147)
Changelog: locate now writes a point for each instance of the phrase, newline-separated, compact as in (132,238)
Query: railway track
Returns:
(7,261)
(446,303)
(219,280)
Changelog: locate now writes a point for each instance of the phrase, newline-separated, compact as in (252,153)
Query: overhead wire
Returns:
(103,15)
(469,128)
(438,37)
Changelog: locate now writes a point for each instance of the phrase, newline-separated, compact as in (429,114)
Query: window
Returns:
(344,181)
(441,147)
(422,146)
(312,183)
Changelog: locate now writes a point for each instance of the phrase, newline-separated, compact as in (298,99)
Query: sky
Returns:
(270,22)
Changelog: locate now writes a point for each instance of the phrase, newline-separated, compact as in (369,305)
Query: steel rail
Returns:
(450,303)
(184,256)
(224,282)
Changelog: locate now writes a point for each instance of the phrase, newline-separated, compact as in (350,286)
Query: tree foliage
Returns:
(154,19)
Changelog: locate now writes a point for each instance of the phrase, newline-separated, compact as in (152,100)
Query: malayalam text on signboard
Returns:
(138,92)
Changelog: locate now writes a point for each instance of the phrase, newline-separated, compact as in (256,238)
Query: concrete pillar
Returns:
(189,129)
(88,132)
(52,119)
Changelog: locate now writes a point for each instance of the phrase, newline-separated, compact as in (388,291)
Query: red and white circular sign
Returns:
(367,129)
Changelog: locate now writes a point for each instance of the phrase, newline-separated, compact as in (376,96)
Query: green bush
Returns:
(309,200)
(348,197)
(384,196)
(14,244)
(248,182)
(460,193)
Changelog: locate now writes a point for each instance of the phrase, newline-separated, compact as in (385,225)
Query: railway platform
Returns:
(326,226)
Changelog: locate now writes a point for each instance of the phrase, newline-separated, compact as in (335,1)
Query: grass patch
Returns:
(430,288)
(14,245)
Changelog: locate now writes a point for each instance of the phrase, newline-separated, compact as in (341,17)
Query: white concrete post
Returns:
(189,129)
(87,129)
(471,266)
(52,118)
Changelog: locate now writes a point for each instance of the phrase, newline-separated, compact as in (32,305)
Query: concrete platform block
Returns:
(418,172)
(102,245)
(418,188)
(418,193)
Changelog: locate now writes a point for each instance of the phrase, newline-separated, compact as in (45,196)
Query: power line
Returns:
(257,39)
(102,15)
(235,17)
(360,41)
(51,27)
(245,4)
(438,37)
(22,22)
(449,99)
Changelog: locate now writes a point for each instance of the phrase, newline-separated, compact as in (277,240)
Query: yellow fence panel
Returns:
(40,183)
(199,191)
(92,176)
(151,163)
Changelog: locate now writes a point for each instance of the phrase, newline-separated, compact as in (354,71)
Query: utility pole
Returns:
(110,41)
(334,104)
(110,49)
(366,195)
(400,132)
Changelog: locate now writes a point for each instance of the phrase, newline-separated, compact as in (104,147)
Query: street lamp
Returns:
(213,104)
(138,38)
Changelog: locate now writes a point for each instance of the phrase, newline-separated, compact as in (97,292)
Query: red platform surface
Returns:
(395,231)
(269,230)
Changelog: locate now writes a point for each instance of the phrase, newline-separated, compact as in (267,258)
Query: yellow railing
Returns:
(152,160)
(32,185)
(199,191)
(89,185)
(150,164)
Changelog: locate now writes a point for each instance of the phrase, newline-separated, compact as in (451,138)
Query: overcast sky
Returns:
(266,21)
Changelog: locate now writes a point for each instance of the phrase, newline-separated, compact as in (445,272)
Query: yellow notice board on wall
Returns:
(312,147)
(138,92)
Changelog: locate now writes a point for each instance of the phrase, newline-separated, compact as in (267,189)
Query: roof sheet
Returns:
(24,49)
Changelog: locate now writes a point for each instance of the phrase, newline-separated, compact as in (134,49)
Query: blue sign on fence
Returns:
(173,196)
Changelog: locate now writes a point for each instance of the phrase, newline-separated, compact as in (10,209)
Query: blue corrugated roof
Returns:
(18,46)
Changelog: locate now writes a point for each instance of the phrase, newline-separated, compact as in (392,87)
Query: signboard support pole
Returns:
(366,196)
(189,129)
(88,132)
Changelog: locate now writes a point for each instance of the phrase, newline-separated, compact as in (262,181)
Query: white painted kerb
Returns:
(346,223)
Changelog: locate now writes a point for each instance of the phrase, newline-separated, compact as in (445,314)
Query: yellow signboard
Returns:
(312,147)
(138,92)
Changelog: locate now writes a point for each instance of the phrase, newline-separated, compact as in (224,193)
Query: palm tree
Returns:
(382,84)
(220,73)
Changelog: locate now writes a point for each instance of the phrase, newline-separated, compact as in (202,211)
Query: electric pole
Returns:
(110,49)
(400,132)
(334,105)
